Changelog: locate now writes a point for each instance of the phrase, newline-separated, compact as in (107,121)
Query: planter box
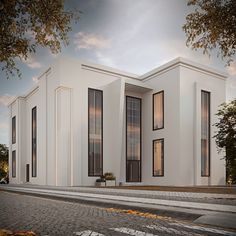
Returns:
(100,184)
(110,183)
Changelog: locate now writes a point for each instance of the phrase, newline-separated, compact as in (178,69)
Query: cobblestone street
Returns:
(54,217)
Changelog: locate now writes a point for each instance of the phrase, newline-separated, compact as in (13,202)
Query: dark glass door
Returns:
(27,172)
(133,139)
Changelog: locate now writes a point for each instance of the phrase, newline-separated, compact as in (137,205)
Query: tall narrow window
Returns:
(158,157)
(13,130)
(158,110)
(205,133)
(13,164)
(34,142)
(133,139)
(95,132)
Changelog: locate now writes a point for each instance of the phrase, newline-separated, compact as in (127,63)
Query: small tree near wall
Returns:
(226,137)
(3,160)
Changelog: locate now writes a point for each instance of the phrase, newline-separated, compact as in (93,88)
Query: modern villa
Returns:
(82,120)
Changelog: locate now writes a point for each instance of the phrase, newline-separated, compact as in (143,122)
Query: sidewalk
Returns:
(212,207)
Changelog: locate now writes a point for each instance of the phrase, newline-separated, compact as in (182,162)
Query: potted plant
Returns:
(110,179)
(101,182)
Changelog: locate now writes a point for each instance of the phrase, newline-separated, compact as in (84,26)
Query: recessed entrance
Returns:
(133,139)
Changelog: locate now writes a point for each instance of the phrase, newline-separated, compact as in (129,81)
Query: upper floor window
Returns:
(13,130)
(205,133)
(95,132)
(158,110)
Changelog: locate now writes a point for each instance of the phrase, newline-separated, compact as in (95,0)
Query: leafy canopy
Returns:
(3,160)
(26,24)
(212,25)
(226,136)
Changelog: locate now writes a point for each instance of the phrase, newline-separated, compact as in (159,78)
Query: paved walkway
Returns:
(50,217)
(218,208)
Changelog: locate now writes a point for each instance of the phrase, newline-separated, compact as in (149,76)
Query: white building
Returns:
(82,120)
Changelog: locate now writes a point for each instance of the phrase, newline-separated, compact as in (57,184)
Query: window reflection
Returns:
(158,157)
(133,139)
(34,142)
(13,164)
(158,110)
(95,132)
(13,130)
(205,133)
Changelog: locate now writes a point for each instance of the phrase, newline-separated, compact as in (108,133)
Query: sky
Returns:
(131,35)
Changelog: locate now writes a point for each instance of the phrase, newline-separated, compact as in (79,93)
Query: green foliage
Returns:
(27,24)
(226,136)
(212,25)
(3,160)
(109,176)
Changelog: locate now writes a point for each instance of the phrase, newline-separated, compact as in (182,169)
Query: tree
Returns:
(3,160)
(212,25)
(226,136)
(25,25)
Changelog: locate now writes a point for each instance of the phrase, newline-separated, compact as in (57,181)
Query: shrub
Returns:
(109,176)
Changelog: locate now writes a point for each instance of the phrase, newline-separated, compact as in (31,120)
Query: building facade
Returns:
(82,120)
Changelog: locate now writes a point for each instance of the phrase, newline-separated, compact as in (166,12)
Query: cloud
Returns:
(35,79)
(4,125)
(5,99)
(105,60)
(32,62)
(84,40)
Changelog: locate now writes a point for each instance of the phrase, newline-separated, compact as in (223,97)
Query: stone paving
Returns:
(53,217)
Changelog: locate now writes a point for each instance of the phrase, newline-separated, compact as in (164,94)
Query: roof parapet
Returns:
(186,63)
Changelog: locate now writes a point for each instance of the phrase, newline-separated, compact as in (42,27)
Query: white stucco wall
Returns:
(191,84)
(169,82)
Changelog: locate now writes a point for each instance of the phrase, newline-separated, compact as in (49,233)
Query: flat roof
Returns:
(180,61)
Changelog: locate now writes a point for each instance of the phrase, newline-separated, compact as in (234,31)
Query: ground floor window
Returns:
(13,164)
(133,139)
(205,133)
(158,157)
(95,132)
(34,142)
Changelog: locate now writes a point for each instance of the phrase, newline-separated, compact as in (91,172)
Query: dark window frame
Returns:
(126,160)
(209,139)
(163,107)
(13,170)
(34,165)
(89,174)
(13,128)
(153,156)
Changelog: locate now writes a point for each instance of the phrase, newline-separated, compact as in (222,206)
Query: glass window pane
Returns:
(133,128)
(205,133)
(158,110)
(13,164)
(133,139)
(13,130)
(34,142)
(158,157)
(95,132)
